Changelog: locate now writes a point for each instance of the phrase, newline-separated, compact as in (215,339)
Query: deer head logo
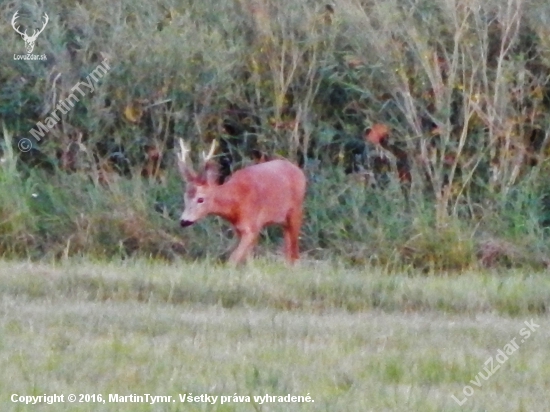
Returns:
(29,40)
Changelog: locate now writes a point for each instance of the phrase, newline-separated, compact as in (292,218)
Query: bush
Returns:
(462,87)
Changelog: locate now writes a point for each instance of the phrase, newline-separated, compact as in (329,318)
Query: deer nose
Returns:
(185,223)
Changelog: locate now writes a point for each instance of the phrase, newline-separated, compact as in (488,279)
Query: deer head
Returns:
(29,40)
(198,193)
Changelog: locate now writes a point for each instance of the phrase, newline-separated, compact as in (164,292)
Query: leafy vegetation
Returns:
(462,88)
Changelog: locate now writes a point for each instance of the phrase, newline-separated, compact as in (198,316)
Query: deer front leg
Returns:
(248,239)
(290,246)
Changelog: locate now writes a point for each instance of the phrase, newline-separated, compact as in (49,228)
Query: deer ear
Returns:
(211,173)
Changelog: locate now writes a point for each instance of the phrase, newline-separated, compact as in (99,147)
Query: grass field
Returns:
(354,340)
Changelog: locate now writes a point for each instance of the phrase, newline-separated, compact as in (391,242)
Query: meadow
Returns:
(353,339)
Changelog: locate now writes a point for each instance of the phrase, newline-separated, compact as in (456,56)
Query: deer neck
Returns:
(225,204)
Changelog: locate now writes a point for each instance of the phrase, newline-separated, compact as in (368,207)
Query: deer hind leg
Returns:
(292,234)
(247,242)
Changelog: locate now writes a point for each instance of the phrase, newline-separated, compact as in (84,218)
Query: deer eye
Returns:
(200,200)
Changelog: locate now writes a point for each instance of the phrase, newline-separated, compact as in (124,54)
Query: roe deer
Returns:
(252,198)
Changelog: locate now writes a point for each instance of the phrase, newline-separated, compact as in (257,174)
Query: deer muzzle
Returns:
(185,223)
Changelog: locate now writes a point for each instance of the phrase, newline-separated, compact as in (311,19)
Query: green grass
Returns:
(356,340)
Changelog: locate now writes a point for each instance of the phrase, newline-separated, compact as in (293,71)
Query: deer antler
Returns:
(15,16)
(46,20)
(34,34)
(210,153)
(183,152)
(186,170)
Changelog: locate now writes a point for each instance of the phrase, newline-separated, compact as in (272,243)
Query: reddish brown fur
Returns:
(254,197)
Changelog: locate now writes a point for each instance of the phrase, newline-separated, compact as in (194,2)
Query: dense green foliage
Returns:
(462,85)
